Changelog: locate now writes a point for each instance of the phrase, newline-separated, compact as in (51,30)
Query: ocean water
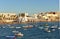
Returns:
(38,31)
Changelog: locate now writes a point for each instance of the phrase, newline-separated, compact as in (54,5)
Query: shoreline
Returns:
(27,22)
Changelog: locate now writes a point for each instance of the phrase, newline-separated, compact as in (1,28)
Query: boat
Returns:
(15,31)
(28,26)
(19,34)
(3,27)
(48,31)
(18,27)
(54,26)
(11,27)
(41,27)
(10,37)
(53,29)
(59,28)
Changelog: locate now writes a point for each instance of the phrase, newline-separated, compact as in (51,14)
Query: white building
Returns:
(23,19)
(35,16)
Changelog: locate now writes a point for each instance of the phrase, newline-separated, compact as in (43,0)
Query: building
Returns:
(23,17)
(53,16)
(35,16)
(8,17)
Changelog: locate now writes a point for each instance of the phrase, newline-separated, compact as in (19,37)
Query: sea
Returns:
(40,30)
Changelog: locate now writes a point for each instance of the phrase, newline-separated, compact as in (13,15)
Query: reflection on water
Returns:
(39,30)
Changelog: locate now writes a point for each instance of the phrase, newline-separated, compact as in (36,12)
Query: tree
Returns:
(22,14)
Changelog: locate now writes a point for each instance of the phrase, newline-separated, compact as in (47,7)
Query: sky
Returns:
(29,6)
(59,5)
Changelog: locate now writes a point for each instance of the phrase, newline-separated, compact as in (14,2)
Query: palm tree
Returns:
(22,15)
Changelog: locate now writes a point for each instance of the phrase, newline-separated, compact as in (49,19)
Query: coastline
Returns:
(22,18)
(26,22)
